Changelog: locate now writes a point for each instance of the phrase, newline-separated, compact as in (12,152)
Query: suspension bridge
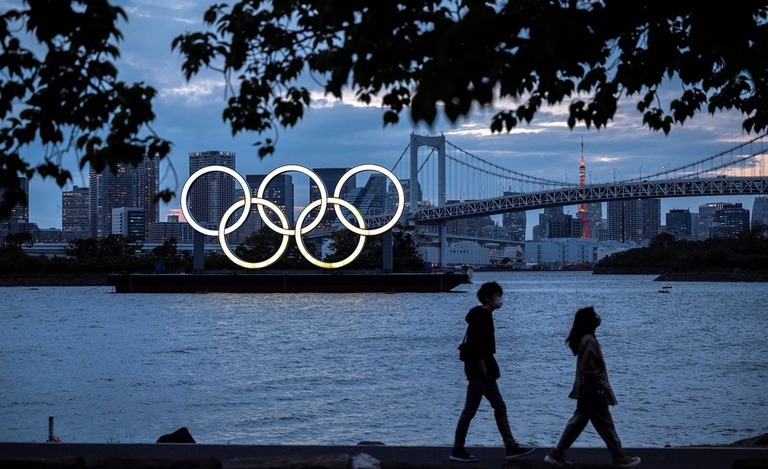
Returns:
(447,183)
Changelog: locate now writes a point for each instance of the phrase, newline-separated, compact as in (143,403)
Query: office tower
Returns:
(74,214)
(147,186)
(707,218)
(392,199)
(129,222)
(372,198)
(679,223)
(109,190)
(279,191)
(634,220)
(172,228)
(595,219)
(213,193)
(760,211)
(18,221)
(470,227)
(515,223)
(729,221)
(553,223)
(20,212)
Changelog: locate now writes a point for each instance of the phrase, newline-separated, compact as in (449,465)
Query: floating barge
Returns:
(341,282)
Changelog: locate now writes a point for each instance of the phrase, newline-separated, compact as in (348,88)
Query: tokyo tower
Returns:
(583,212)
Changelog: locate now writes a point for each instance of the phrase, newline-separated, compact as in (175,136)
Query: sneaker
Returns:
(461,455)
(623,461)
(517,451)
(557,457)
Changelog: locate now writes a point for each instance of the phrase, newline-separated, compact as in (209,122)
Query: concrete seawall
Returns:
(200,456)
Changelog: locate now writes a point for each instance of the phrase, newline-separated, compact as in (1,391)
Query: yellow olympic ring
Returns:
(312,259)
(284,230)
(223,240)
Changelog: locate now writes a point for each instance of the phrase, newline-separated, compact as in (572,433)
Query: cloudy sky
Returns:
(342,134)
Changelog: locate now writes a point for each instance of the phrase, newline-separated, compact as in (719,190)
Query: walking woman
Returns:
(592,392)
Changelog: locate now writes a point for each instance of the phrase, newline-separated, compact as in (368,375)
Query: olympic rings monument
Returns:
(252,280)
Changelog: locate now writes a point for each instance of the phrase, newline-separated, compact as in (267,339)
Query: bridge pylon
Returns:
(437,143)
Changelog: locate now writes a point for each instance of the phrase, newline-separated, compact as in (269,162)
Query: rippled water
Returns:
(688,367)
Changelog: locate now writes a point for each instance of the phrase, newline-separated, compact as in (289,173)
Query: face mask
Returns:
(498,303)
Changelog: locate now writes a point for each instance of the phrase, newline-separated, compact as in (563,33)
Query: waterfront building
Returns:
(707,218)
(47,235)
(128,186)
(371,200)
(20,211)
(760,210)
(74,214)
(172,228)
(330,178)
(129,222)
(679,223)
(213,193)
(459,253)
(392,196)
(18,221)
(147,186)
(554,223)
(109,190)
(634,220)
(515,223)
(729,221)
(556,253)
(279,191)
(471,227)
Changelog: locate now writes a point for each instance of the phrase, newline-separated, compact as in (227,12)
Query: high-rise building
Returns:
(554,223)
(18,221)
(707,219)
(372,198)
(129,222)
(760,211)
(392,198)
(74,214)
(147,186)
(515,223)
(679,223)
(330,178)
(107,191)
(729,221)
(20,212)
(279,191)
(213,193)
(634,220)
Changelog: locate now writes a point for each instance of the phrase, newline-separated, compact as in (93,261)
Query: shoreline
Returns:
(361,456)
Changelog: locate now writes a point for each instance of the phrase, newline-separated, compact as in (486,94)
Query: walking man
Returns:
(482,372)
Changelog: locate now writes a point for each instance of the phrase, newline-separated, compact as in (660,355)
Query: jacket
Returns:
(481,344)
(591,369)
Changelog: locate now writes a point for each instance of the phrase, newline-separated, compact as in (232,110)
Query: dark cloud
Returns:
(338,134)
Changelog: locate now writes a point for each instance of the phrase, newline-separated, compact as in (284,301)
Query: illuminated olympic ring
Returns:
(285,229)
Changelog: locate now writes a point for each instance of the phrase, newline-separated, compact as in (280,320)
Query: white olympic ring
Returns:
(285,230)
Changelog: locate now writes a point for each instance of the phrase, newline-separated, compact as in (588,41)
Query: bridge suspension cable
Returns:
(708,165)
(503,173)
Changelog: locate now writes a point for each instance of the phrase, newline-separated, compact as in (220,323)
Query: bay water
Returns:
(688,367)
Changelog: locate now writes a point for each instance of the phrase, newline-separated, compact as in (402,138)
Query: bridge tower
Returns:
(437,143)
(583,212)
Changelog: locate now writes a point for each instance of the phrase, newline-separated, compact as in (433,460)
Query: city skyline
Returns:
(344,133)
(620,223)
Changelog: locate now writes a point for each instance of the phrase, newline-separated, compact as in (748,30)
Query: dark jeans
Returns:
(476,389)
(600,416)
